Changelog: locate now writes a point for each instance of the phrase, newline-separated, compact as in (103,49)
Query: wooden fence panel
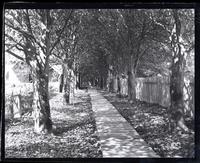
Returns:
(155,90)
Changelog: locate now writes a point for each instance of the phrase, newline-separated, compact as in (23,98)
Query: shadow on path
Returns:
(118,138)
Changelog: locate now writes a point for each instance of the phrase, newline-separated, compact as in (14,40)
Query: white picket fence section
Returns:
(156,90)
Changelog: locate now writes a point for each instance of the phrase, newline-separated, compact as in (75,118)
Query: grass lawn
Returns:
(151,122)
(74,132)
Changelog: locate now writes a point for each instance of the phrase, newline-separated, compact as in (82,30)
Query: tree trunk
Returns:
(39,63)
(93,81)
(131,86)
(69,82)
(101,82)
(109,81)
(71,85)
(66,82)
(41,107)
(61,82)
(176,93)
(105,83)
(176,80)
(118,85)
(79,80)
(76,79)
(131,81)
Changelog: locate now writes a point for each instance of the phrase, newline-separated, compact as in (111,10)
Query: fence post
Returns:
(16,106)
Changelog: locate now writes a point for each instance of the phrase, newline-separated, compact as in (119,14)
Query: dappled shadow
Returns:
(55,147)
(18,123)
(70,117)
(79,103)
(85,98)
(118,138)
(136,106)
(122,145)
(151,121)
(73,133)
(61,128)
(67,109)
(35,150)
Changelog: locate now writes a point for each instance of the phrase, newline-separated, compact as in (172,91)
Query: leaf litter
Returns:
(74,132)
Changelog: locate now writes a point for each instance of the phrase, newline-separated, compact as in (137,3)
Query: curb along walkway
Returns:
(117,137)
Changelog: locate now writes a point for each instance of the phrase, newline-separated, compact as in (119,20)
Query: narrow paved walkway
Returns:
(118,138)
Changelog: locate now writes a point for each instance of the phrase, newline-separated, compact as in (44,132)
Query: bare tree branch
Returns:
(15,55)
(60,34)
(17,42)
(19,30)
(31,31)
(57,56)
(27,35)
(29,22)
(12,46)
(19,48)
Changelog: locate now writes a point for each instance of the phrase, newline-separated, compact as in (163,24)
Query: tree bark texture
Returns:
(101,82)
(69,83)
(40,70)
(61,83)
(72,84)
(41,107)
(66,82)
(131,81)
(131,86)
(177,80)
(118,85)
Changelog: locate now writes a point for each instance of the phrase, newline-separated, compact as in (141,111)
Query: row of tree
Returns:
(99,45)
(129,43)
(34,36)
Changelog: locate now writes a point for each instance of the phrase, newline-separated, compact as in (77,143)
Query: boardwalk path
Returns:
(117,136)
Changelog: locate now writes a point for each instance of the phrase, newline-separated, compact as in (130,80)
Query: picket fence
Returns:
(154,90)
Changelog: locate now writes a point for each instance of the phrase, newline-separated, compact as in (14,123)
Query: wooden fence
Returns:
(153,90)
(157,90)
